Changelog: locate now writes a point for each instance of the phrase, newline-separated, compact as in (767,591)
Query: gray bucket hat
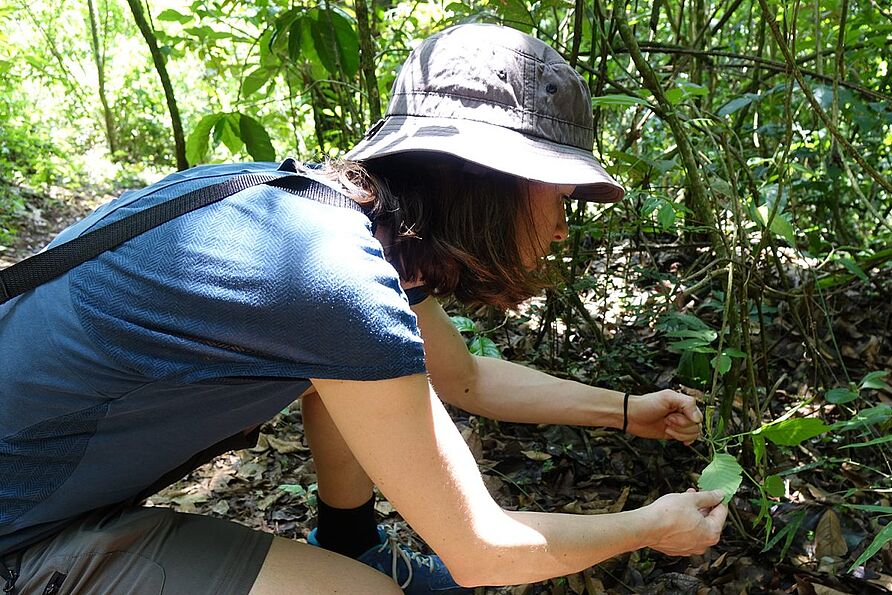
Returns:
(498,98)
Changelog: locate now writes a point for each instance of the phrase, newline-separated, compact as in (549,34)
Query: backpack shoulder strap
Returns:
(49,264)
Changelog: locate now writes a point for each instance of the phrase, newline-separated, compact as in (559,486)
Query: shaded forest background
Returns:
(749,264)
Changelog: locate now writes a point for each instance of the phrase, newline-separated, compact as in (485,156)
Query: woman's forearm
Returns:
(507,391)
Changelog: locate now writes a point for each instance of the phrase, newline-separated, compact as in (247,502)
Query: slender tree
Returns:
(99,59)
(158,59)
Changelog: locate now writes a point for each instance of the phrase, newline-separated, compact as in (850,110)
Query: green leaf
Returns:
(256,139)
(197,143)
(666,216)
(789,531)
(774,486)
(174,16)
(463,324)
(734,352)
(882,538)
(293,488)
(866,417)
(295,39)
(838,396)
(697,345)
(484,346)
(256,79)
(737,104)
(674,96)
(706,335)
(618,100)
(874,380)
(779,225)
(791,432)
(723,473)
(870,508)
(336,42)
(853,268)
(722,363)
(227,131)
(874,442)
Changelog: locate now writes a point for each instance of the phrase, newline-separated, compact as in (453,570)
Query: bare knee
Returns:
(295,568)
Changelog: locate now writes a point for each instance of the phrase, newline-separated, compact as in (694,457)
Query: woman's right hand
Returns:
(687,523)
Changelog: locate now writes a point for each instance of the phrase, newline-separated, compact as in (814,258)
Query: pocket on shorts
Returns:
(120,573)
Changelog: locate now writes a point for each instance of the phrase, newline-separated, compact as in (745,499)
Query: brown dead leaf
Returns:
(593,584)
(573,507)
(472,439)
(262,443)
(576,583)
(251,470)
(621,501)
(535,455)
(493,484)
(284,447)
(269,500)
(828,536)
(384,507)
(825,590)
(822,496)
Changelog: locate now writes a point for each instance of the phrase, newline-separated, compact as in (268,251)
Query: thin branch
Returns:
(769,17)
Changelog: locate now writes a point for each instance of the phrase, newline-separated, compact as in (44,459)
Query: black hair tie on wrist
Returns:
(625,411)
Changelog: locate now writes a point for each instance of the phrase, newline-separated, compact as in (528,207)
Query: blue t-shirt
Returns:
(123,369)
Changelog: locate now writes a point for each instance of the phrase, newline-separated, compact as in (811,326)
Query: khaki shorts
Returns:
(145,551)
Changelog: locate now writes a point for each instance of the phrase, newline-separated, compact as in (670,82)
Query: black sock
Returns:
(347,531)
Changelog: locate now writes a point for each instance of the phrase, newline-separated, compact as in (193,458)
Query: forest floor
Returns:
(590,471)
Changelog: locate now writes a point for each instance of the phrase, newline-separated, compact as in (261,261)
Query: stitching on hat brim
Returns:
(506,105)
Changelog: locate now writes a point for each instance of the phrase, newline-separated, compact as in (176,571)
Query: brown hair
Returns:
(455,225)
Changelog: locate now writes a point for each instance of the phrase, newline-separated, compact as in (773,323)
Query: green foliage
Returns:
(478,343)
(723,473)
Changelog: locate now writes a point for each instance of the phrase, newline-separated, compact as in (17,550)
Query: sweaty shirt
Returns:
(121,370)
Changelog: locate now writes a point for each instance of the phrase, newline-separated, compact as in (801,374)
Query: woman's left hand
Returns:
(665,414)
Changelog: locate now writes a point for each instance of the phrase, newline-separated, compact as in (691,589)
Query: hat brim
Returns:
(495,147)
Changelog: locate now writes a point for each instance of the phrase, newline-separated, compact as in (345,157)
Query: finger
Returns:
(686,437)
(709,499)
(685,405)
(691,411)
(718,515)
(679,420)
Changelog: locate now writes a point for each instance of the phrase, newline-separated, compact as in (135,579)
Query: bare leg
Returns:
(341,480)
(294,568)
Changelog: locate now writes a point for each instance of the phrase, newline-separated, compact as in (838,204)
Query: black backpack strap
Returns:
(49,264)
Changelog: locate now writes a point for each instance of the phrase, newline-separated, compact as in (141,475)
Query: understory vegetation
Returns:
(750,263)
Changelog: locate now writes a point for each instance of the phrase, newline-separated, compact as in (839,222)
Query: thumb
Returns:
(709,499)
(690,409)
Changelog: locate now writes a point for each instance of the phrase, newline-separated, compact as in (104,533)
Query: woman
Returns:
(133,367)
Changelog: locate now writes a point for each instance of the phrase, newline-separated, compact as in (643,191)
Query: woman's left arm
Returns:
(507,391)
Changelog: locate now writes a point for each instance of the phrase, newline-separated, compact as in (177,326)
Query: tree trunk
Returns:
(367,60)
(99,59)
(158,59)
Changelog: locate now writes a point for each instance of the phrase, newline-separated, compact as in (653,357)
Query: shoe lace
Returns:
(400,551)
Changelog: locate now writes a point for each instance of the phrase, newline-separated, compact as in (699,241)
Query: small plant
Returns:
(478,343)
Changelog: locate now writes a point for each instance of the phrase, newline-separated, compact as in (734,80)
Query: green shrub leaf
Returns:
(723,473)
(256,139)
(484,346)
(791,432)
(463,324)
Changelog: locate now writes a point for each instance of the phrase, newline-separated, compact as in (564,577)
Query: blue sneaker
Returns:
(416,574)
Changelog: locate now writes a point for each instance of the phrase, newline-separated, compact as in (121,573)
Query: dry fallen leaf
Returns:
(535,455)
(828,536)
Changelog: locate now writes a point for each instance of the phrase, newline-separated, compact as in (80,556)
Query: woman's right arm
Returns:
(407,444)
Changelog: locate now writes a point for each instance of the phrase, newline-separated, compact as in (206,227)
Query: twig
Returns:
(769,18)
